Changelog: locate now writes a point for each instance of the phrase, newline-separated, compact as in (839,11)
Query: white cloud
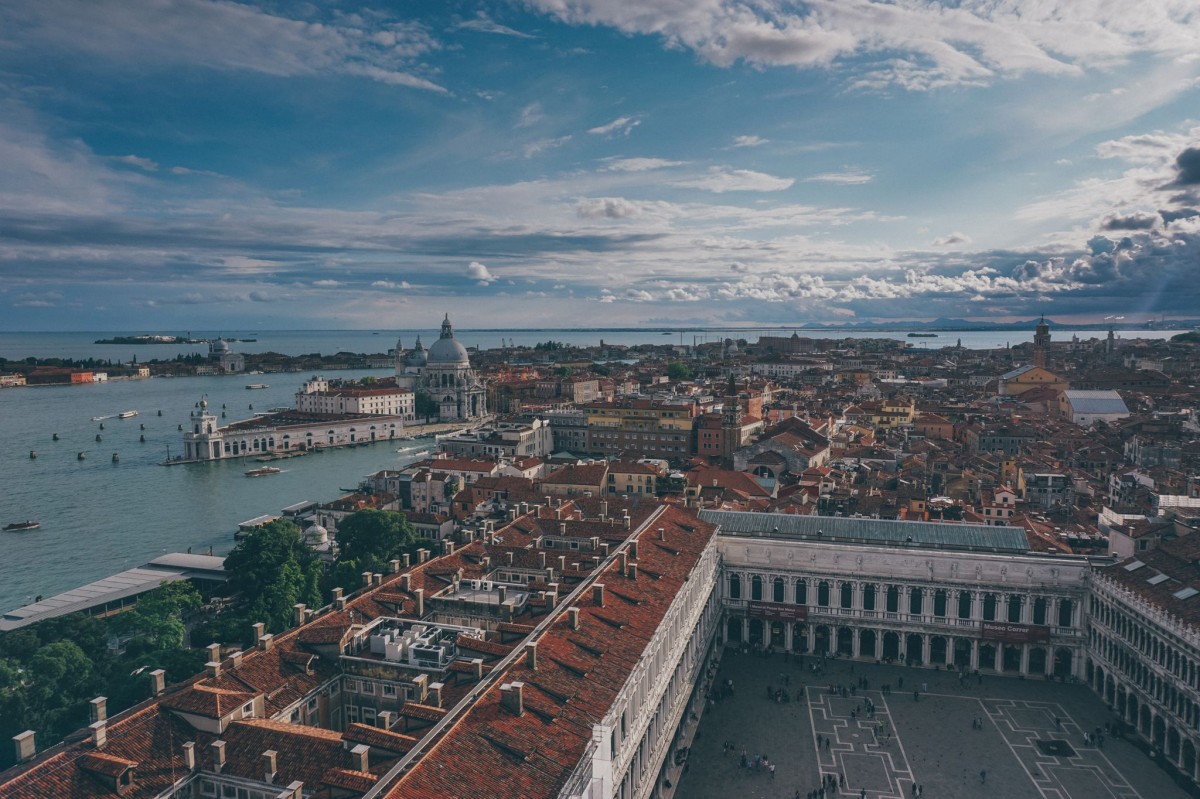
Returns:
(391,284)
(720,180)
(621,126)
(542,145)
(608,208)
(853,177)
(952,239)
(530,115)
(326,284)
(221,35)
(638,164)
(138,161)
(479,272)
(749,141)
(485,24)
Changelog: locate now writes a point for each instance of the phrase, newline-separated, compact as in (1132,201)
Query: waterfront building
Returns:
(318,396)
(502,439)
(444,374)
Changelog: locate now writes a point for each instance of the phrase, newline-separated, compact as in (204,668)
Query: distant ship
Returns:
(127,414)
(263,472)
(922,335)
(26,525)
(257,385)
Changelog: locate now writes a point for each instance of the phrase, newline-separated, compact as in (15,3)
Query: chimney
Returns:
(213,667)
(477,664)
(235,659)
(598,594)
(385,719)
(633,546)
(486,562)
(603,547)
(337,594)
(420,595)
(366,579)
(259,629)
(548,500)
(448,546)
(604,510)
(562,528)
(24,746)
(632,571)
(189,755)
(662,534)
(98,710)
(421,683)
(562,564)
(502,593)
(435,694)
(298,616)
(549,574)
(509,555)
(266,642)
(624,558)
(360,758)
(512,697)
(531,651)
(394,565)
(422,555)
(542,560)
(268,766)
(339,603)
(406,582)
(158,682)
(294,790)
(406,560)
(99,733)
(376,579)
(628,523)
(218,755)
(214,652)
(573,613)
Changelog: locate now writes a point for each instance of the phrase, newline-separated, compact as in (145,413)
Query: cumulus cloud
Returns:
(952,239)
(478,272)
(621,126)
(749,141)
(391,284)
(326,284)
(608,208)
(1187,165)
(720,179)
(1135,221)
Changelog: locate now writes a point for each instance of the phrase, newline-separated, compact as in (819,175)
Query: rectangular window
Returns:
(368,688)
(388,690)
(352,686)
(351,714)
(368,716)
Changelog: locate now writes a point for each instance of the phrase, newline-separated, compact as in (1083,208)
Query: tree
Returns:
(426,406)
(270,570)
(156,622)
(563,371)
(372,537)
(678,371)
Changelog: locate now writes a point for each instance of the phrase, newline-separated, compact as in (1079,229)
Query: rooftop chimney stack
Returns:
(448,546)
(337,593)
(632,571)
(422,555)
(98,709)
(213,668)
(502,593)
(394,565)
(259,629)
(406,560)
(235,659)
(385,719)
(531,651)
(214,652)
(294,790)
(633,547)
(512,697)
(435,694)
(158,682)
(406,582)
(360,758)
(218,755)
(268,766)
(598,594)
(542,559)
(573,614)
(662,534)
(420,595)
(99,733)
(266,642)
(366,579)
(24,746)
(189,755)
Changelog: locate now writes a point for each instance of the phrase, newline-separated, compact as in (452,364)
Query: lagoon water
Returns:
(99,518)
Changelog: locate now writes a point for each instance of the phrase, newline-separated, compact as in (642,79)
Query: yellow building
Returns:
(1027,377)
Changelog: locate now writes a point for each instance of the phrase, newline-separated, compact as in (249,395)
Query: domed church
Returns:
(444,373)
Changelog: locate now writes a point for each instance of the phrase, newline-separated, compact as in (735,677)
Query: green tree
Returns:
(563,371)
(426,406)
(270,570)
(373,537)
(156,622)
(678,371)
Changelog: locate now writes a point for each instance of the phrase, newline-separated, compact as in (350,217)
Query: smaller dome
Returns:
(316,534)
(204,403)
(419,355)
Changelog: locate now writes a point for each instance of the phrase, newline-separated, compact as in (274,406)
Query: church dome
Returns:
(446,351)
(316,535)
(419,355)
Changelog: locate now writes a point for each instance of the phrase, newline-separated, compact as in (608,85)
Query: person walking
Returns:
(982,776)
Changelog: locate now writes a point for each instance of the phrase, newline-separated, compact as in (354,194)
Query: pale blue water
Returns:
(99,518)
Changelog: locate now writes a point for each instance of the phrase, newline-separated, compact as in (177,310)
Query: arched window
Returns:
(1014,609)
(801,592)
(777,590)
(756,588)
(989,607)
(893,599)
(847,595)
(939,603)
(869,596)
(1065,611)
(1039,610)
(916,601)
(735,587)
(823,593)
(964,604)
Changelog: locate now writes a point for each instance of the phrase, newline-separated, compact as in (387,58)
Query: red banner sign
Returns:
(773,611)
(1013,633)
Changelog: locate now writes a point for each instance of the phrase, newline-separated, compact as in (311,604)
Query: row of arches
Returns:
(1168,738)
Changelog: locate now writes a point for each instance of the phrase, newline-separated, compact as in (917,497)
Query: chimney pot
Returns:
(294,790)
(633,549)
(542,560)
(477,663)
(509,555)
(266,642)
(422,555)
(598,594)
(394,565)
(218,753)
(235,659)
(406,560)
(406,582)
(377,579)
(189,755)
(662,534)
(339,603)
(385,719)
(213,667)
(624,557)
(435,694)
(420,595)
(512,697)
(158,682)
(531,651)
(448,546)
(632,571)
(337,594)
(24,746)
(562,563)
(259,629)
(214,651)
(366,579)
(573,613)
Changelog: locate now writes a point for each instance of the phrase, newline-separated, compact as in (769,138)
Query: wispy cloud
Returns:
(720,179)
(638,164)
(621,126)
(749,141)
(482,23)
(853,177)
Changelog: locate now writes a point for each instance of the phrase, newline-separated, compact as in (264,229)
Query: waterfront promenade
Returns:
(941,742)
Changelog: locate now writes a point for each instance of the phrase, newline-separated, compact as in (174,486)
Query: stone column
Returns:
(787,635)
(1024,658)
(975,654)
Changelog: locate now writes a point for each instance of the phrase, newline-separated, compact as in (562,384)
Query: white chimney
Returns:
(218,755)
(214,652)
(265,642)
(98,710)
(158,682)
(573,613)
(360,758)
(268,766)
(24,746)
(99,733)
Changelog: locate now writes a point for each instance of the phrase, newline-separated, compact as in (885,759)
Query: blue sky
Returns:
(175,164)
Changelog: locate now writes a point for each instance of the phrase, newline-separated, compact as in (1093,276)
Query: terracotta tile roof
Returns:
(108,765)
(357,781)
(207,701)
(379,738)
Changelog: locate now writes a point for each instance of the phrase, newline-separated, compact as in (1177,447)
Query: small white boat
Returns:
(127,414)
(263,472)
(256,385)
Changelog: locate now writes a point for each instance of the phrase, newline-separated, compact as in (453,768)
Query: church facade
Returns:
(443,373)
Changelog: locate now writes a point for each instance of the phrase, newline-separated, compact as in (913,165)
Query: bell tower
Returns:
(1041,342)
(731,423)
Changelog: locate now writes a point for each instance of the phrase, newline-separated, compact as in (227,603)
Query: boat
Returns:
(922,335)
(127,414)
(263,472)
(256,385)
(26,525)
(32,455)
